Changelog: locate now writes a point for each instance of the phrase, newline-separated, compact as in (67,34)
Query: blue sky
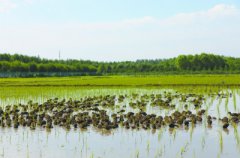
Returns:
(119,30)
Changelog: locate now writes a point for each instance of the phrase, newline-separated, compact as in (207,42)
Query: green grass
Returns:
(163,80)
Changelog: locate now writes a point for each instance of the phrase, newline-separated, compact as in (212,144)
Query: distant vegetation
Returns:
(26,66)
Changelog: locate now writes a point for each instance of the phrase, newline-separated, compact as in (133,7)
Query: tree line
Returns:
(200,63)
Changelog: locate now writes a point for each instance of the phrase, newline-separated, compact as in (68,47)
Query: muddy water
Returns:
(199,141)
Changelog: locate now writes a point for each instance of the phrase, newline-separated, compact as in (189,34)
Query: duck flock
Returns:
(112,111)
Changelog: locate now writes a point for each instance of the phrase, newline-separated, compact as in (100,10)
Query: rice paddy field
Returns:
(189,116)
(163,80)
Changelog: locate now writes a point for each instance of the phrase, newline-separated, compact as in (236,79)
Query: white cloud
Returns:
(218,11)
(222,10)
(6,5)
(214,30)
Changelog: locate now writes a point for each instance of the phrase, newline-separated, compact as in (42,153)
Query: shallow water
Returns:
(200,141)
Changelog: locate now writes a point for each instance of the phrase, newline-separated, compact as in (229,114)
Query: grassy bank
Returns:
(164,80)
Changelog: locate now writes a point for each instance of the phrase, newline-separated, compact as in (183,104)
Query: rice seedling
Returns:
(226,103)
(220,141)
(160,133)
(92,155)
(234,100)
(184,149)
(148,146)
(236,135)
(203,142)
(137,153)
(191,133)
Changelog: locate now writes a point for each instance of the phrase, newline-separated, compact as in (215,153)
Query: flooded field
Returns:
(199,121)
